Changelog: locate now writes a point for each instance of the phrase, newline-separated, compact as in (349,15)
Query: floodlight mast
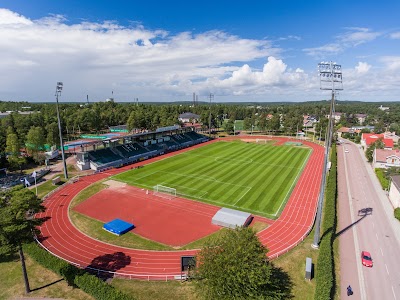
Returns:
(211,96)
(330,75)
(58,93)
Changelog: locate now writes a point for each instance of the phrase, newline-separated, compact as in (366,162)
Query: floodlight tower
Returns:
(330,75)
(209,119)
(58,93)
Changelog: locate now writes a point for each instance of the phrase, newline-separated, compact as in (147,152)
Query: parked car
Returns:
(346,150)
(366,259)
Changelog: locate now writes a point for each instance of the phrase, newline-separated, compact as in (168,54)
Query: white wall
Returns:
(394,195)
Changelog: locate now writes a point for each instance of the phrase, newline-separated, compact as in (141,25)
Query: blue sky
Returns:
(166,50)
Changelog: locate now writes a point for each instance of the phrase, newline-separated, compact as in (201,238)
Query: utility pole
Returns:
(330,79)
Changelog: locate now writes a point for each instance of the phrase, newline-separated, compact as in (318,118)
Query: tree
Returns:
(35,143)
(229,126)
(247,123)
(14,158)
(17,226)
(235,266)
(378,144)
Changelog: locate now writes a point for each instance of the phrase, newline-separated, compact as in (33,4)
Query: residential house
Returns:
(361,118)
(383,158)
(368,138)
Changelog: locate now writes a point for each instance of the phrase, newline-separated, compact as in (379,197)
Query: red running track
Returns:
(62,239)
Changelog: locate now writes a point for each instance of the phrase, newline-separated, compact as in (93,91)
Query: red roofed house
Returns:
(368,138)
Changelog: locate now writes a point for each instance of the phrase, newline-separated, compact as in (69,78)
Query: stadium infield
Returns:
(257,178)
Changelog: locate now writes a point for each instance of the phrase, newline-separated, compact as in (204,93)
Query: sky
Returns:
(239,51)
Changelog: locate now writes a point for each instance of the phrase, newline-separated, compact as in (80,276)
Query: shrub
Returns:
(98,288)
(382,178)
(325,268)
(397,213)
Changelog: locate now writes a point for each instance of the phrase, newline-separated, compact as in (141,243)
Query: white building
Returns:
(394,192)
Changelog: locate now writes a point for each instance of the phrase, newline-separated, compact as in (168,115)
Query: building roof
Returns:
(372,137)
(188,115)
(360,115)
(382,154)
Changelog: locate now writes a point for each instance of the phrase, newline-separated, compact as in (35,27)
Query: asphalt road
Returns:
(366,222)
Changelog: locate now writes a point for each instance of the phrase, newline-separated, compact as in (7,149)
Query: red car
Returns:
(366,259)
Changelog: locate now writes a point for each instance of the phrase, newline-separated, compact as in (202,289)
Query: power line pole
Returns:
(330,79)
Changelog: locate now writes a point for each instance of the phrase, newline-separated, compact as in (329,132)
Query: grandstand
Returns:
(129,149)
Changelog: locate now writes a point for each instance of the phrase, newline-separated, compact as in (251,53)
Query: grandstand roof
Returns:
(188,115)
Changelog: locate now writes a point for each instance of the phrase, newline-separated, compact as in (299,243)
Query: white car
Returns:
(346,150)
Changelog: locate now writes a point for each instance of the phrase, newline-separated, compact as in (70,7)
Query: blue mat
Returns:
(118,226)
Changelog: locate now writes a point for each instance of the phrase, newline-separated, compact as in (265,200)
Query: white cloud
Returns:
(395,35)
(329,49)
(8,17)
(392,63)
(362,67)
(97,57)
(356,36)
(92,57)
(352,38)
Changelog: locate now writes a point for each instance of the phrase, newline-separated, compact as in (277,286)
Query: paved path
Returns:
(378,233)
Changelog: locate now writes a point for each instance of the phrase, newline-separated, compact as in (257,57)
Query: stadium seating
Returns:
(132,152)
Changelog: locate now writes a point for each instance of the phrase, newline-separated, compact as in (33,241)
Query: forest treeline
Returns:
(41,126)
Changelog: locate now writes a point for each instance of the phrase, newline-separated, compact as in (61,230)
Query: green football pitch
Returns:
(256,178)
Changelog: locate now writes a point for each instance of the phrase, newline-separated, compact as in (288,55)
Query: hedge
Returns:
(397,213)
(325,268)
(99,289)
(73,275)
(382,179)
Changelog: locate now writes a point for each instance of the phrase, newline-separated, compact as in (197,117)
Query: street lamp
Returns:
(330,75)
(58,93)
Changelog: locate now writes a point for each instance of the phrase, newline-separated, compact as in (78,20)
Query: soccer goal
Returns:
(261,141)
(164,191)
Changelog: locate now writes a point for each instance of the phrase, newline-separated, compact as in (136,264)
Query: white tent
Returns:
(231,218)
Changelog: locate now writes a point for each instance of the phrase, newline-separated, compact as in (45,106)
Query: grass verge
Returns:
(43,282)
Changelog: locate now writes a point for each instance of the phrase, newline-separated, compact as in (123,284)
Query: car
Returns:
(366,259)
(346,150)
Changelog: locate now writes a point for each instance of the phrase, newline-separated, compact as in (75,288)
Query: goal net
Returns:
(164,191)
(261,141)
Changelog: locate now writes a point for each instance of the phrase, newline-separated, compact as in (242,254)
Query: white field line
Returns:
(248,189)
(294,182)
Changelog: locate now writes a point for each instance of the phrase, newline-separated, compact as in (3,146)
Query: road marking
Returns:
(394,295)
(387,270)
(376,236)
(381,251)
(356,245)
(373,225)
